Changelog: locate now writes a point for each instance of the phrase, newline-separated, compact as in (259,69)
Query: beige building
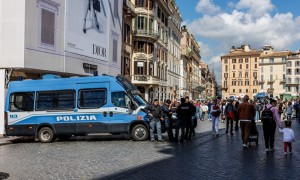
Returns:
(240,72)
(127,45)
(150,43)
(292,77)
(191,61)
(174,54)
(273,70)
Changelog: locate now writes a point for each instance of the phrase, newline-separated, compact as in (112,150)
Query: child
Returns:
(288,136)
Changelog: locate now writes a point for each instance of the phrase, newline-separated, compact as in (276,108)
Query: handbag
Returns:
(230,115)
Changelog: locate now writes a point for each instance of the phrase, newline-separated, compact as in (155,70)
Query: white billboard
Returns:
(88,27)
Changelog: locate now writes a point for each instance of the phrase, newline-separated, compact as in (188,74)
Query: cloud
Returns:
(207,7)
(214,64)
(205,51)
(237,27)
(256,8)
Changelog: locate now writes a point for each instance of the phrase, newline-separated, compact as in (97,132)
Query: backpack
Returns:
(267,114)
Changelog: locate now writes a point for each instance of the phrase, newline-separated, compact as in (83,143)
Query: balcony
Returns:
(261,82)
(282,81)
(146,33)
(129,7)
(271,81)
(145,79)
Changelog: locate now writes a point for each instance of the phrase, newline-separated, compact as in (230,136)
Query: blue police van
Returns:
(55,107)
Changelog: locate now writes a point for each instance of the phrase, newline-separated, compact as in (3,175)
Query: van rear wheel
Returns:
(46,135)
(140,132)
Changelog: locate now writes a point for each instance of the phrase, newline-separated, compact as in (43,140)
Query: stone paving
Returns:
(113,157)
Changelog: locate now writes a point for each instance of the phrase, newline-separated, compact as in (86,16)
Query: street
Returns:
(99,157)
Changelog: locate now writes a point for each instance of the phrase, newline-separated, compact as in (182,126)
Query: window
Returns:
(255,66)
(297,63)
(225,61)
(226,68)
(297,71)
(271,60)
(126,33)
(296,80)
(247,66)
(120,99)
(233,67)
(151,70)
(240,90)
(126,66)
(241,60)
(233,60)
(289,71)
(240,74)
(47,27)
(141,23)
(246,90)
(55,100)
(262,69)
(241,66)
(271,69)
(233,90)
(140,3)
(289,89)
(21,101)
(91,98)
(233,74)
(254,90)
(158,12)
(255,75)
(255,60)
(289,64)
(262,78)
(246,60)
(289,80)
(246,74)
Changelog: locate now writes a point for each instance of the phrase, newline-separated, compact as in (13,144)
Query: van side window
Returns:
(91,98)
(120,99)
(21,101)
(55,100)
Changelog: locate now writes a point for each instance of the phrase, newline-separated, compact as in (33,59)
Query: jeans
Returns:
(257,115)
(289,117)
(209,116)
(228,120)
(245,128)
(169,126)
(156,123)
(215,124)
(179,125)
(269,128)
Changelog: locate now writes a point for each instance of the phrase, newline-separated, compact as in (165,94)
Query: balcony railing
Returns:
(146,79)
(149,33)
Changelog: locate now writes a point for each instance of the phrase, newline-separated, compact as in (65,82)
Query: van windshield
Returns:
(140,100)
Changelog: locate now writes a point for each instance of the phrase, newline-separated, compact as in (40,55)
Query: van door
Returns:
(92,111)
(119,115)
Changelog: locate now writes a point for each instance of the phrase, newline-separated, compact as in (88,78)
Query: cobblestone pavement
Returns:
(204,157)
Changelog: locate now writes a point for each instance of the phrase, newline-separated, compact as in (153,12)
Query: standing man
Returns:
(246,113)
(167,112)
(209,104)
(269,124)
(215,113)
(155,115)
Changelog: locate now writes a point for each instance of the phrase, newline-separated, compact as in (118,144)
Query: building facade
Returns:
(127,42)
(174,53)
(240,72)
(273,72)
(150,44)
(63,37)
(292,76)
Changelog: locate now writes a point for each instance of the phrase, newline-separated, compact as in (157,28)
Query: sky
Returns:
(217,25)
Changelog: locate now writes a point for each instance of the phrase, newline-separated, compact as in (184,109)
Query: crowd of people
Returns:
(184,115)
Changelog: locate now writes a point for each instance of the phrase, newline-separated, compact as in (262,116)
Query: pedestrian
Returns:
(288,136)
(270,118)
(180,123)
(155,115)
(257,111)
(289,111)
(209,104)
(236,105)
(166,108)
(280,109)
(246,113)
(229,114)
(223,113)
(204,109)
(215,113)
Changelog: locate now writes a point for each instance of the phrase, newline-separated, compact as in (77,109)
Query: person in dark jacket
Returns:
(155,114)
(229,113)
(180,122)
(167,112)
(236,105)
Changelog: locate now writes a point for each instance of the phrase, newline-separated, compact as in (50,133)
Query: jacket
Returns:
(246,111)
(156,111)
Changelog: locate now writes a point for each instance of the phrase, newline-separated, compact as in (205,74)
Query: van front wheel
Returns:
(46,135)
(140,132)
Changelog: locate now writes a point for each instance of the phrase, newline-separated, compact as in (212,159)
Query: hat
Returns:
(168,101)
(155,100)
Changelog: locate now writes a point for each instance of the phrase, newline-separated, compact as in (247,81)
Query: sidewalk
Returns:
(8,140)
